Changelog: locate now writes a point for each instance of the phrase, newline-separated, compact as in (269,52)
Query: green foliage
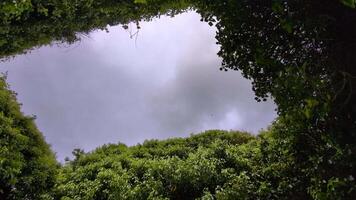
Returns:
(27,24)
(27,165)
(215,165)
(301,53)
(350,3)
(178,168)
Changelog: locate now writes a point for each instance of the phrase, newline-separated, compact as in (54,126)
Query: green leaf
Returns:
(140,1)
(349,3)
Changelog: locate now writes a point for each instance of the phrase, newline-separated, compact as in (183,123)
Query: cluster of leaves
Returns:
(299,52)
(211,165)
(27,165)
(302,54)
(27,24)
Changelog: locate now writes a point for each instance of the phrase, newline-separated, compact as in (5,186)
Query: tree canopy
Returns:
(301,53)
(27,165)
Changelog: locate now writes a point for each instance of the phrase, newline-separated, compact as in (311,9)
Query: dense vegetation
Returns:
(172,169)
(26,24)
(27,165)
(302,53)
(299,52)
(214,164)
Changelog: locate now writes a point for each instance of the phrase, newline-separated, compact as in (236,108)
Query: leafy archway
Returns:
(299,52)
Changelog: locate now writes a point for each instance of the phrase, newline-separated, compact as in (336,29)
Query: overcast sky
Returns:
(110,88)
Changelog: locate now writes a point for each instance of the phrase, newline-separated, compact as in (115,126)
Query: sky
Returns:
(119,87)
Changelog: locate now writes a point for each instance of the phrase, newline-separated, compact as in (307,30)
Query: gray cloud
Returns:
(110,88)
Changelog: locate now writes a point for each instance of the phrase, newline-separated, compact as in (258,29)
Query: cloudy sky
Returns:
(109,88)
